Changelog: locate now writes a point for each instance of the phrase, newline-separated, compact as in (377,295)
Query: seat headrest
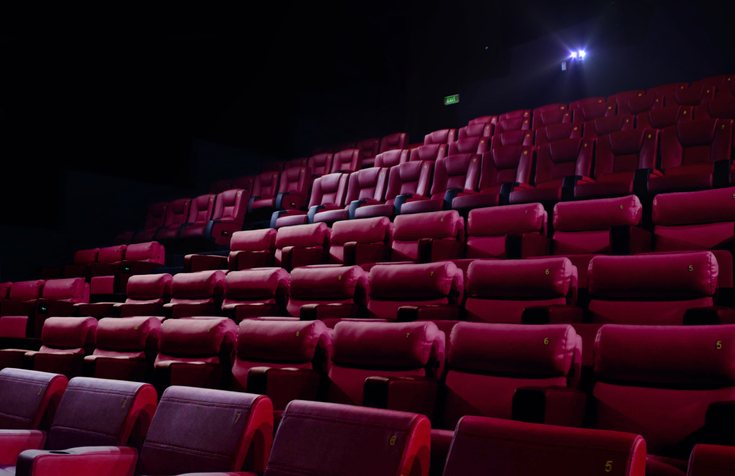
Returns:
(253,240)
(405,282)
(202,284)
(365,230)
(150,251)
(196,336)
(128,334)
(600,214)
(256,283)
(280,341)
(327,282)
(25,395)
(26,290)
(149,286)
(315,234)
(509,219)
(68,332)
(112,254)
(689,208)
(64,289)
(402,345)
(544,278)
(544,350)
(666,355)
(657,276)
(85,257)
(444,224)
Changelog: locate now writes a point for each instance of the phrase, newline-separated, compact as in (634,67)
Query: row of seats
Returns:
(643,374)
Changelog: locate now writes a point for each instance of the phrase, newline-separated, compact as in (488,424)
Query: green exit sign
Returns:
(453,99)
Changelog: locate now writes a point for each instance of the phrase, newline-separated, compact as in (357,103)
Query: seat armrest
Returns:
(284,385)
(721,173)
(320,312)
(629,240)
(410,394)
(82,461)
(640,181)
(709,315)
(505,190)
(250,204)
(719,422)
(279,199)
(449,196)
(432,312)
(354,205)
(559,406)
(313,211)
(554,314)
(570,181)
(277,214)
(14,442)
(399,201)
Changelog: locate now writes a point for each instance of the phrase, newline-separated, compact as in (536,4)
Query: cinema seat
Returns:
(195,352)
(22,300)
(480,129)
(484,120)
(255,292)
(406,181)
(665,93)
(346,161)
(391,158)
(723,108)
(364,187)
(368,150)
(154,219)
(512,231)
(585,111)
(177,213)
(302,245)
(79,268)
(320,164)
(196,294)
(197,216)
(248,249)
(441,136)
(469,145)
(291,191)
(603,126)
(147,293)
(29,399)
(551,114)
(228,217)
(621,99)
(454,175)
(328,193)
(285,360)
(509,138)
(480,443)
(428,237)
(711,460)
(664,117)
(399,140)
(361,242)
(555,132)
(124,349)
(692,96)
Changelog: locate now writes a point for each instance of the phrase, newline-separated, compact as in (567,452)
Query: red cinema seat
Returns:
(480,129)
(428,237)
(228,217)
(320,164)
(245,184)
(248,249)
(328,293)
(22,301)
(509,138)
(442,136)
(469,145)
(405,181)
(391,158)
(368,150)
(124,349)
(551,114)
(484,120)
(176,215)
(399,140)
(255,292)
(196,294)
(722,108)
(302,245)
(712,460)
(365,187)
(29,399)
(328,193)
(105,272)
(480,443)
(265,189)
(83,260)
(146,295)
(292,193)
(520,121)
(513,231)
(346,161)
(198,215)
(454,175)
(603,126)
(285,360)
(499,291)
(195,352)
(555,132)
(661,118)
(621,99)
(428,153)
(361,242)
(154,219)
(665,93)
(692,96)
(140,258)
(592,108)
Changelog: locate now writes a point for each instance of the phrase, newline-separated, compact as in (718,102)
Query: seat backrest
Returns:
(663,117)
(654,289)
(693,95)
(411,177)
(254,240)
(442,136)
(300,162)
(501,358)
(429,152)
(391,158)
(580,103)
(519,137)
(626,151)
(399,140)
(266,184)
(69,290)
(554,132)
(377,230)
(202,339)
(347,160)
(410,229)
(369,147)
(487,228)
(102,412)
(721,108)
(26,290)
(245,183)
(665,93)
(551,114)
(131,336)
(220,431)
(112,254)
(264,285)
(469,145)
(460,171)
(295,180)
(367,184)
(480,443)
(395,285)
(621,99)
(177,212)
(510,164)
(326,285)
(155,216)
(711,460)
(696,142)
(86,257)
(329,189)
(147,287)
(645,374)
(484,120)
(69,334)
(480,129)
(201,209)
(230,205)
(498,291)
(150,251)
(200,285)
(321,164)
(356,434)
(521,122)
(29,398)
(562,158)
(601,126)
(595,109)
(366,349)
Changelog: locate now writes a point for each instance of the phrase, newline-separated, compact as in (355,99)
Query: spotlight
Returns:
(582,54)
(573,55)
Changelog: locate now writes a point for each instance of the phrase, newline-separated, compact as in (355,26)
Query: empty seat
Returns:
(83,260)
(484,120)
(196,294)
(105,272)
(499,291)
(368,150)
(140,258)
(428,153)
(176,215)
(664,117)
(621,99)
(442,136)
(602,126)
(480,443)
(585,111)
(480,129)
(428,237)
(551,114)
(22,300)
(521,121)
(559,165)
(647,374)
(328,293)
(727,88)
(692,96)
(302,245)
(248,249)
(513,231)
(264,191)
(320,164)
(454,175)
(229,213)
(502,170)
(431,291)
(689,151)
(347,435)
(154,219)
(292,193)
(365,187)
(712,460)
(124,349)
(368,354)
(255,292)
(29,399)
(195,352)
(509,138)
(362,241)
(618,158)
(199,214)
(146,295)
(328,193)
(348,160)
(722,108)
(282,359)
(391,158)
(399,140)
(469,145)
(405,181)
(245,184)
(65,342)
(555,132)
(665,93)
(644,103)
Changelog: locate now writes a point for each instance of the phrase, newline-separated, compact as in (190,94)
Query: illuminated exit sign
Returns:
(453,99)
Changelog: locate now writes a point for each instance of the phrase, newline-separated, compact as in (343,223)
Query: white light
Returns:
(582,53)
(574,54)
